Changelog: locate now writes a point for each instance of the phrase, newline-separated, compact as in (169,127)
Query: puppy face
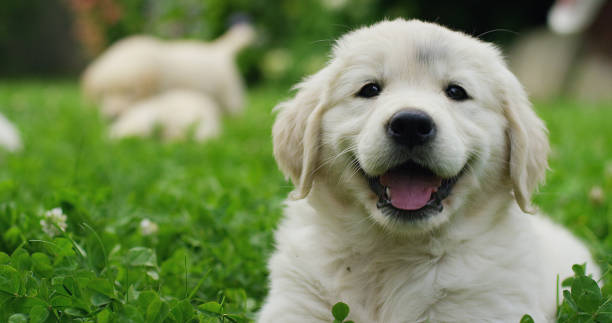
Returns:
(413,122)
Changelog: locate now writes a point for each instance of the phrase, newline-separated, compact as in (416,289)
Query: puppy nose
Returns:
(411,128)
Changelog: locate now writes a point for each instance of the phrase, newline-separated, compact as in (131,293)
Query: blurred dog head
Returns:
(413,122)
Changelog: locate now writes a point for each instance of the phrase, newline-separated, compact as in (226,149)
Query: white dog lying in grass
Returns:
(174,112)
(414,153)
(9,136)
(140,67)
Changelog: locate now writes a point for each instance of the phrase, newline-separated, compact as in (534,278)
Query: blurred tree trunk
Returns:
(37,39)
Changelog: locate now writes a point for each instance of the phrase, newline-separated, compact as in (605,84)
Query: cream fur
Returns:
(482,259)
(174,111)
(9,136)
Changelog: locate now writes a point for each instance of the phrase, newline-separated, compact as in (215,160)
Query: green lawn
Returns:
(215,204)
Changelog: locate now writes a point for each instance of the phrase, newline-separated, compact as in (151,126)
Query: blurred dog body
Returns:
(9,136)
(414,153)
(174,112)
(139,67)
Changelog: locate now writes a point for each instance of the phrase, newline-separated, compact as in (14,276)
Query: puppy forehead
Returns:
(406,42)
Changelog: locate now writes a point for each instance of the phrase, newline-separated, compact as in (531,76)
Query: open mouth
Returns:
(411,191)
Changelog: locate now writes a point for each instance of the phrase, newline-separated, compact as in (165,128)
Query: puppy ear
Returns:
(297,129)
(528,142)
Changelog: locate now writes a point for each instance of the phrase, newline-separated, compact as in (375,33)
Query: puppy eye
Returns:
(369,90)
(456,92)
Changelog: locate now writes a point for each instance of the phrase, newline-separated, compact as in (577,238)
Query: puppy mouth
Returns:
(411,191)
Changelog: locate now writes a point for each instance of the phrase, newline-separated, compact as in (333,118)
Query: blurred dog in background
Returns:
(174,111)
(137,71)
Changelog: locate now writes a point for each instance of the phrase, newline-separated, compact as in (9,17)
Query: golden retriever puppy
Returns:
(414,153)
(9,136)
(141,66)
(175,112)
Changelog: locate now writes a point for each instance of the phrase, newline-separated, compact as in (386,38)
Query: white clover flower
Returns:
(597,195)
(53,219)
(148,227)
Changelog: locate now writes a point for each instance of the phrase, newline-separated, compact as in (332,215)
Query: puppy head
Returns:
(412,122)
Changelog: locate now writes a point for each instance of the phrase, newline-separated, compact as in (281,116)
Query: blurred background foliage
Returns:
(58,37)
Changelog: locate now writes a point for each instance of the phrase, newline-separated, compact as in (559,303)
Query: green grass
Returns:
(581,158)
(216,205)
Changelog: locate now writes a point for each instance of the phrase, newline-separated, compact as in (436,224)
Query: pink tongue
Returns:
(409,191)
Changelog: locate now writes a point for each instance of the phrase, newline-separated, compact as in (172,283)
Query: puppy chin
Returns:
(395,225)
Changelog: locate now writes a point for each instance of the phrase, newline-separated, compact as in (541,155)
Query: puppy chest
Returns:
(390,288)
(429,288)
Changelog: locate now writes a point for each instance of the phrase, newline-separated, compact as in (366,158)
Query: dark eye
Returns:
(456,92)
(369,90)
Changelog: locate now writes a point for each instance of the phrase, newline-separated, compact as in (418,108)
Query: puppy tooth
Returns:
(388,192)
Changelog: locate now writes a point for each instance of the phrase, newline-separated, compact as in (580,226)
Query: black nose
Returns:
(411,128)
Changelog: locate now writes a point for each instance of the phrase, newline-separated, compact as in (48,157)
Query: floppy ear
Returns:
(528,142)
(296,131)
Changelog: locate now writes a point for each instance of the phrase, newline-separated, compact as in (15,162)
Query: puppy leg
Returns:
(231,94)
